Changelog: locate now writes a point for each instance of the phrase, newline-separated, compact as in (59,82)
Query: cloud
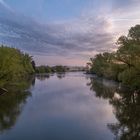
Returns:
(79,38)
(66,38)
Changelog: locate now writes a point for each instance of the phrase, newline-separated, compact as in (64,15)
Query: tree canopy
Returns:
(14,65)
(122,65)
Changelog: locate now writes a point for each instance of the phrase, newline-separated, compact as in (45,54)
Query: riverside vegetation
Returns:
(17,67)
(48,69)
(124,64)
(14,66)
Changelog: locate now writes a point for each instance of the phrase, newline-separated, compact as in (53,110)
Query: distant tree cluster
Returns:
(43,69)
(122,65)
(14,65)
(48,69)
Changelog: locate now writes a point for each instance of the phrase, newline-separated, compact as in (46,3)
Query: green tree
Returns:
(122,65)
(14,65)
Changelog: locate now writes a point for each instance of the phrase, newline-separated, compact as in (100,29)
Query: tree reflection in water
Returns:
(60,75)
(43,77)
(126,108)
(12,102)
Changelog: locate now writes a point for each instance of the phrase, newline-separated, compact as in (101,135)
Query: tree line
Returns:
(16,66)
(48,69)
(122,65)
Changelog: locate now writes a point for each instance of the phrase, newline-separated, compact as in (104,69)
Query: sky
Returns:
(66,32)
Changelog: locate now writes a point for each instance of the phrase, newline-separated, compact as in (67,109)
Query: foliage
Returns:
(14,65)
(43,69)
(59,69)
(48,69)
(122,65)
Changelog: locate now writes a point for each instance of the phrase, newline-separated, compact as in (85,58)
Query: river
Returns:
(70,106)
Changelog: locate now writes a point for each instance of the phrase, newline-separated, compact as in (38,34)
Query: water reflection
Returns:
(60,75)
(11,103)
(126,106)
(70,111)
(43,77)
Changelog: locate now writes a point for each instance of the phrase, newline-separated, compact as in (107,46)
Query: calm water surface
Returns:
(70,106)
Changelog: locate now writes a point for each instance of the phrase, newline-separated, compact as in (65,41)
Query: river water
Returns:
(70,106)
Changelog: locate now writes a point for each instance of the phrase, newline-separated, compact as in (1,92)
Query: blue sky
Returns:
(66,32)
(49,10)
